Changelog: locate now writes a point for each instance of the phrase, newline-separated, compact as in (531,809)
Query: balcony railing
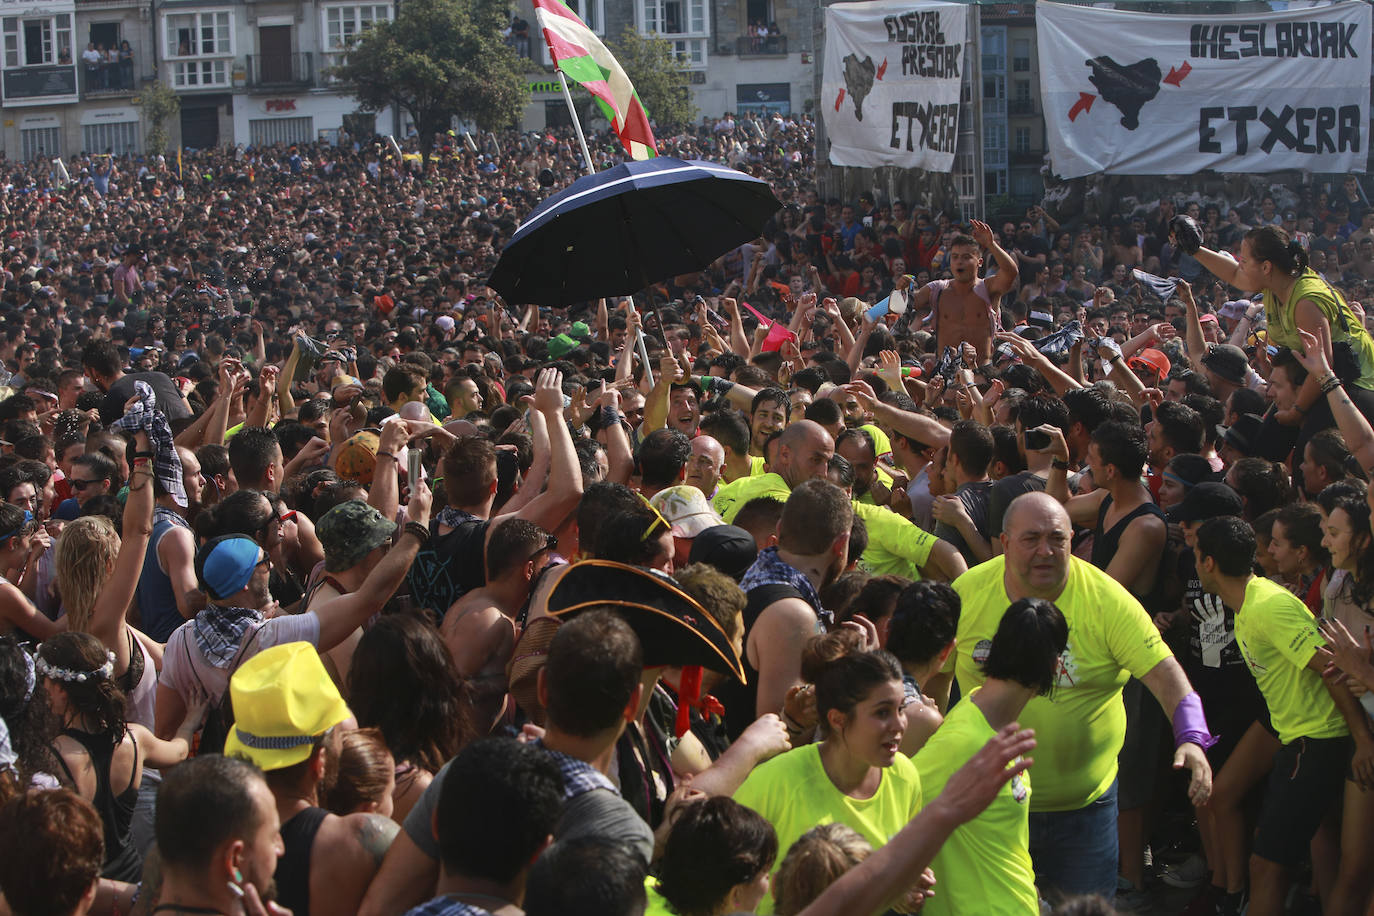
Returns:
(1022,107)
(280,70)
(761,45)
(117,84)
(1027,157)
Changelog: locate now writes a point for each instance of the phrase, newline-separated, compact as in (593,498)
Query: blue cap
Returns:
(225,565)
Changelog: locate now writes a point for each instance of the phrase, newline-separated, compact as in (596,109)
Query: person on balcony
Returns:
(126,65)
(90,62)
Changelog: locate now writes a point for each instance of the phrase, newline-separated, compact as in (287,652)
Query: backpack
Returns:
(219,717)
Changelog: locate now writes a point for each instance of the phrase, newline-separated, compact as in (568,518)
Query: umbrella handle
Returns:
(644,356)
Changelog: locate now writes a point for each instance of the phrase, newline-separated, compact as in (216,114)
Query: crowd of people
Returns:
(890,562)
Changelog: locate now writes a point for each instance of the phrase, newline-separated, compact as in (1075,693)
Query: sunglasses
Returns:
(78,484)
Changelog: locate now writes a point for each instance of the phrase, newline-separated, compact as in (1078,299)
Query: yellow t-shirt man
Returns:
(793,793)
(895,545)
(985,865)
(731,497)
(1080,727)
(1278,636)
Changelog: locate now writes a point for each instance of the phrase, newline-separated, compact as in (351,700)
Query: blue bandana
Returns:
(769,569)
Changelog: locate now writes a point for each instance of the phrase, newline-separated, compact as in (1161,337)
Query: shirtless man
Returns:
(480,626)
(966,308)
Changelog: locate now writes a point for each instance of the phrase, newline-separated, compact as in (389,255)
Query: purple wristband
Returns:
(1190,723)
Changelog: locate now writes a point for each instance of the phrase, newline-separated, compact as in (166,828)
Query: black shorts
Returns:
(1308,779)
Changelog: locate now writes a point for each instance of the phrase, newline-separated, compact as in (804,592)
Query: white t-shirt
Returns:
(185,670)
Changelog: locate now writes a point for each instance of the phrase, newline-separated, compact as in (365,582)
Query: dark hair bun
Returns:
(823,651)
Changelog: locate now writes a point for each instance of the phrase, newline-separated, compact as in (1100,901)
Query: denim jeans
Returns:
(1074,852)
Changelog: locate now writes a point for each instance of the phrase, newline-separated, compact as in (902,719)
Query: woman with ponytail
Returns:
(1297,299)
(857,774)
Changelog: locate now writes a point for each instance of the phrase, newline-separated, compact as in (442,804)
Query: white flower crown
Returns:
(67,674)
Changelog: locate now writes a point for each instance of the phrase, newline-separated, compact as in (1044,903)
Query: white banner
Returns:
(1165,94)
(890,93)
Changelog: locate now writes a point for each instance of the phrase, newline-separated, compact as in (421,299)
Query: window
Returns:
(964,177)
(1020,55)
(41,143)
(342,24)
(592,12)
(208,34)
(1022,90)
(37,42)
(266,131)
(1021,141)
(673,18)
(119,139)
(995,135)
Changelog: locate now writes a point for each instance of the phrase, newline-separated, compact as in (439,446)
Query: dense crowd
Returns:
(890,562)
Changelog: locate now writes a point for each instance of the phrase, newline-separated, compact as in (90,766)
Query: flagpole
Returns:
(577,125)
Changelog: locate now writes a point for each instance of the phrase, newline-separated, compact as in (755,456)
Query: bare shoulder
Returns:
(787,614)
(361,837)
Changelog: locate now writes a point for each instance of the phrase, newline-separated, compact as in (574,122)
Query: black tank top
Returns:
(122,859)
(742,699)
(1106,543)
(293,868)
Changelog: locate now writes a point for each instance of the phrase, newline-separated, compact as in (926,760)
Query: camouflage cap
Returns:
(349,532)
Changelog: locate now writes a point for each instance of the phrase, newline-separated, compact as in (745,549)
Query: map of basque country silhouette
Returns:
(858,80)
(1126,86)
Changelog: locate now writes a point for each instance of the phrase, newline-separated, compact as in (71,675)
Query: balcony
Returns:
(1023,107)
(761,46)
(281,71)
(116,88)
(1028,157)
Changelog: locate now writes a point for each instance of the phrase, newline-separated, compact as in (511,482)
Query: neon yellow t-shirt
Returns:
(793,794)
(731,497)
(880,478)
(1278,636)
(985,865)
(757,465)
(896,546)
(1080,727)
(657,905)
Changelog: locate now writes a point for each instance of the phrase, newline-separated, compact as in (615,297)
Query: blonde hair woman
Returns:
(97,574)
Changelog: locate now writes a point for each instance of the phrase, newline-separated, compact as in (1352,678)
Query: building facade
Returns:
(246,72)
(741,55)
(69,73)
(257,73)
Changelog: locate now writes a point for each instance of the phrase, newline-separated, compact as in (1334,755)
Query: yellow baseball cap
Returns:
(283,700)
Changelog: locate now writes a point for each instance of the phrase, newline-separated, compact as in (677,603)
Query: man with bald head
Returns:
(800,453)
(705,464)
(1080,726)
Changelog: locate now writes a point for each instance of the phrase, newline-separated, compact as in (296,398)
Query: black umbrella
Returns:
(615,232)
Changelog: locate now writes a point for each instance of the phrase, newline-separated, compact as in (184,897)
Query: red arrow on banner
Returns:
(1084,103)
(840,100)
(1177,75)
(882,69)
